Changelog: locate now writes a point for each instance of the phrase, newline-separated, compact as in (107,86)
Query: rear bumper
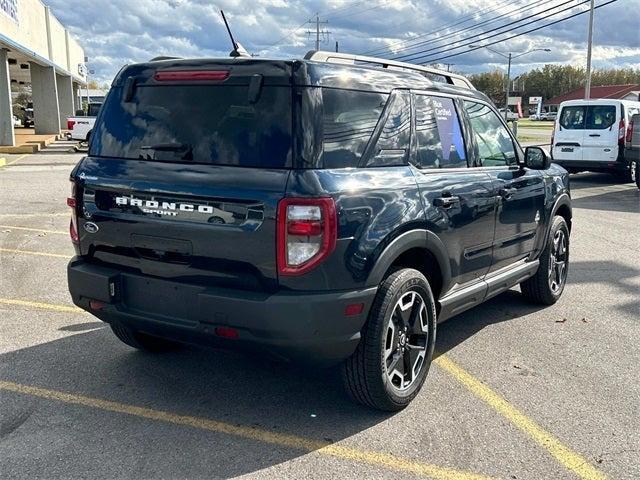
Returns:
(594,166)
(311,327)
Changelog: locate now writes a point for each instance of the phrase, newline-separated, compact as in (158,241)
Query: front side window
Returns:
(494,146)
(438,134)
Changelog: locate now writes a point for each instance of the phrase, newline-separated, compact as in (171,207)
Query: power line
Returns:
(358,12)
(524,33)
(465,19)
(291,32)
(477,38)
(537,3)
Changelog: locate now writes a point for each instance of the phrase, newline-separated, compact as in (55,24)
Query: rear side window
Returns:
(394,141)
(210,124)
(348,120)
(438,134)
(588,117)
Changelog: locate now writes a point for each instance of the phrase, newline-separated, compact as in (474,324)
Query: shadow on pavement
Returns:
(218,385)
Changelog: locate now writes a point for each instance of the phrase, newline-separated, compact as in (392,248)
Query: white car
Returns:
(16,121)
(590,135)
(511,116)
(80,127)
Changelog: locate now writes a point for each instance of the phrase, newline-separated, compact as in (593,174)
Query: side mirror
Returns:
(536,158)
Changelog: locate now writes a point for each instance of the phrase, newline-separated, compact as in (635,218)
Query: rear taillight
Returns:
(190,75)
(553,135)
(70,124)
(621,132)
(73,225)
(630,131)
(307,232)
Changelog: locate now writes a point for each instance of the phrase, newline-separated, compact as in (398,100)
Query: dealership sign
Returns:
(10,9)
(535,100)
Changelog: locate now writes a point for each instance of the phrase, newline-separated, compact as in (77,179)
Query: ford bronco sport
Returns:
(331,209)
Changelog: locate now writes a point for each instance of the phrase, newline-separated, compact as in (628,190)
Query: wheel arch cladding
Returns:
(419,249)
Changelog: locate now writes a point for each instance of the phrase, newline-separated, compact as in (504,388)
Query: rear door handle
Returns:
(594,134)
(507,193)
(446,201)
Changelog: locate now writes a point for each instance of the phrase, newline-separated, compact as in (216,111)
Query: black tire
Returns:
(142,341)
(539,288)
(365,374)
(635,172)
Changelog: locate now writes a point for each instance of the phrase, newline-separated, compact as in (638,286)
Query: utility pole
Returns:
(587,83)
(449,65)
(324,33)
(506,93)
(336,46)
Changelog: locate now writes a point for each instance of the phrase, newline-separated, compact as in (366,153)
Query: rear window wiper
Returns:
(167,147)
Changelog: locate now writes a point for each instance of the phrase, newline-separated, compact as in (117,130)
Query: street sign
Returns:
(515,100)
(535,100)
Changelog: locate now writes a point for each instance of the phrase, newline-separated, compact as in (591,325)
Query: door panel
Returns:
(600,138)
(459,202)
(519,192)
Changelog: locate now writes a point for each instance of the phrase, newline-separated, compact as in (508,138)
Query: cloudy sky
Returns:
(117,32)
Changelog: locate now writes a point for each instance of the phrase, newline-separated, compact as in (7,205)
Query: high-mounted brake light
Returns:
(191,75)
(307,232)
(70,124)
(630,131)
(73,225)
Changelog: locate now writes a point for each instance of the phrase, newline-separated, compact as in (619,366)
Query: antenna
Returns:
(238,50)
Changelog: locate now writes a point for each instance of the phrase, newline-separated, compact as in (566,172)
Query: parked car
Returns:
(632,147)
(548,116)
(590,135)
(81,125)
(363,205)
(16,121)
(511,116)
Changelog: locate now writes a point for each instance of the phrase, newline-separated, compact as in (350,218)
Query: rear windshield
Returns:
(588,117)
(210,124)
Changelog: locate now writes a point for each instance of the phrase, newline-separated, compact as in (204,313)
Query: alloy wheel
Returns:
(406,338)
(558,262)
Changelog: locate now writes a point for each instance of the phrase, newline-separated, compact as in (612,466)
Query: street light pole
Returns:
(509,57)
(587,83)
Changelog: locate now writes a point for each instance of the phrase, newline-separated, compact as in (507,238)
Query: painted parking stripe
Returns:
(31,252)
(563,454)
(369,457)
(30,215)
(40,305)
(4,163)
(40,230)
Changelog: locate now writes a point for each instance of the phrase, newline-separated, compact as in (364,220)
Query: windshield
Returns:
(209,124)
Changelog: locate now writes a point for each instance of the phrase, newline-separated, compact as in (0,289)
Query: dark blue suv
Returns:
(331,209)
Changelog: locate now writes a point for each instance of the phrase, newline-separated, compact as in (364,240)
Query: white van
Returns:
(590,135)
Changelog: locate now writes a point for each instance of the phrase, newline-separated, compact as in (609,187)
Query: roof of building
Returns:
(604,91)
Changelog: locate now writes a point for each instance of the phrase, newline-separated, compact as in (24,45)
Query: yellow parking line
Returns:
(29,229)
(386,460)
(41,305)
(29,215)
(567,457)
(31,252)
(4,163)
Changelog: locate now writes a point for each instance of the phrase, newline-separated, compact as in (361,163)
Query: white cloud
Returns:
(115,32)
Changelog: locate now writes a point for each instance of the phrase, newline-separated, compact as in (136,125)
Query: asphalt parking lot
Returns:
(517,391)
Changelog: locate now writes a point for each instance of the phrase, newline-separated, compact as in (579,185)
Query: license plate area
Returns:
(566,149)
(166,301)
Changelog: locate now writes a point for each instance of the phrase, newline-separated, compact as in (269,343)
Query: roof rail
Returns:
(350,59)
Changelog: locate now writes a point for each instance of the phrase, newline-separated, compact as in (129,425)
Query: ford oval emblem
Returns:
(91,227)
